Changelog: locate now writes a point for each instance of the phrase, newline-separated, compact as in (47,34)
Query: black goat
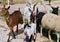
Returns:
(39,16)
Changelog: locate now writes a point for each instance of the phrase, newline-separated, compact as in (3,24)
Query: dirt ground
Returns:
(4,30)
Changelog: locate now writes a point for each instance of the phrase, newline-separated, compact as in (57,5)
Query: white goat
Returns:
(29,31)
(52,22)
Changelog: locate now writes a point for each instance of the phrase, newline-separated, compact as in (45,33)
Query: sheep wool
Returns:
(51,21)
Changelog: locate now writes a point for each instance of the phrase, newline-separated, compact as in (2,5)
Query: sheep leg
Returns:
(17,29)
(49,34)
(41,31)
(57,37)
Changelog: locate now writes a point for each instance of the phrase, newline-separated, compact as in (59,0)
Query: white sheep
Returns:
(52,22)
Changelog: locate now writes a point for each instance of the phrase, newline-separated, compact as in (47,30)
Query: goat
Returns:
(12,19)
(39,16)
(30,28)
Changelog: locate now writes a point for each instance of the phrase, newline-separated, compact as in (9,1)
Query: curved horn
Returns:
(34,6)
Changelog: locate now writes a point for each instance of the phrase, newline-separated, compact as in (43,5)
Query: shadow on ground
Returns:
(53,36)
(20,31)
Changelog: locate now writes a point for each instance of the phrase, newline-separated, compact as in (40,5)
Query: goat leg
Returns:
(34,37)
(28,39)
(8,38)
(13,35)
(17,29)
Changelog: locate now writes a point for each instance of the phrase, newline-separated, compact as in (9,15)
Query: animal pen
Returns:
(13,20)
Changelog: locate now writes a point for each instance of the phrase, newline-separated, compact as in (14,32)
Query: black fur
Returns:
(28,39)
(39,16)
(55,10)
(27,25)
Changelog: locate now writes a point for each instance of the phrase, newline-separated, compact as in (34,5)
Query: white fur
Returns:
(27,13)
(30,31)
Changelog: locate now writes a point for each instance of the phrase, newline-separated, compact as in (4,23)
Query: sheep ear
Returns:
(8,7)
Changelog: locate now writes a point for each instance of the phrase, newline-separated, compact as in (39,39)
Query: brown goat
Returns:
(14,19)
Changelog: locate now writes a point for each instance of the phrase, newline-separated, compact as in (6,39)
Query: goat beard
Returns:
(33,15)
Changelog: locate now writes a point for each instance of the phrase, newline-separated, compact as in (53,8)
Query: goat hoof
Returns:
(8,41)
(34,40)
(14,37)
(16,31)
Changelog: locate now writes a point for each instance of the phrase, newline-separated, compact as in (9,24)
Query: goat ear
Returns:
(30,10)
(37,10)
(34,6)
(51,7)
(8,7)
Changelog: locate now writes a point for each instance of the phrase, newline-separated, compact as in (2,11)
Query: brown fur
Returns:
(14,19)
